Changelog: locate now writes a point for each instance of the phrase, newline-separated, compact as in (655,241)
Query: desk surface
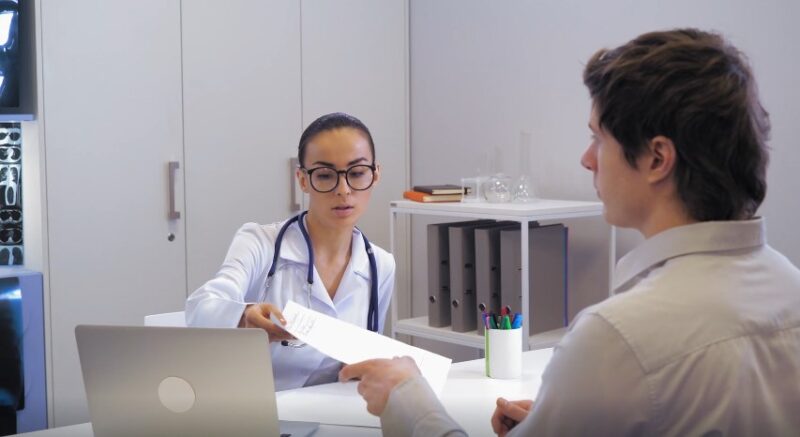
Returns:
(85,430)
(468,395)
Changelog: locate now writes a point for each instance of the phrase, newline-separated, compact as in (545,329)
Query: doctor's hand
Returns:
(257,315)
(508,414)
(378,378)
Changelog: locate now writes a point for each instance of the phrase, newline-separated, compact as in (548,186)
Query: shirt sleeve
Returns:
(220,302)
(594,385)
(414,410)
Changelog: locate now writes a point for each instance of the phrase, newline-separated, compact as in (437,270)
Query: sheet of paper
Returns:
(350,344)
(337,403)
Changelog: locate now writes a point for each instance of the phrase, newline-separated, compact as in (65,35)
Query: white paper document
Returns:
(350,344)
(336,403)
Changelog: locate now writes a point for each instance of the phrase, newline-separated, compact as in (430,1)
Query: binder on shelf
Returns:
(487,270)
(462,276)
(547,275)
(439,271)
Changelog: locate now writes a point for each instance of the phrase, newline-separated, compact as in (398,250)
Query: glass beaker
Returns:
(497,189)
(522,190)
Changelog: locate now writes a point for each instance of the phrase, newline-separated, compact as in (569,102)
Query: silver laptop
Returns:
(166,381)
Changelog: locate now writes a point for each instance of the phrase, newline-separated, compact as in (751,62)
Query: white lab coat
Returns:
(242,278)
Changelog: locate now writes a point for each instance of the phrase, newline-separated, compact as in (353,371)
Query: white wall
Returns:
(366,77)
(483,71)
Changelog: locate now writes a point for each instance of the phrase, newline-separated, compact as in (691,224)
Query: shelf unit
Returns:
(523,213)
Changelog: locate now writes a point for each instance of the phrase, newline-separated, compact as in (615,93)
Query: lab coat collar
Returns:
(712,236)
(353,284)
(358,258)
(295,249)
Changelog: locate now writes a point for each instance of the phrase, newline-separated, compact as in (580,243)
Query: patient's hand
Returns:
(378,378)
(508,414)
(258,316)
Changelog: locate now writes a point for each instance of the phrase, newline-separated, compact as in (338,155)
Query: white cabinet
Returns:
(112,120)
(539,210)
(241,118)
(223,90)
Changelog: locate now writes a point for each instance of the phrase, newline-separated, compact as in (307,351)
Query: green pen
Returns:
(506,323)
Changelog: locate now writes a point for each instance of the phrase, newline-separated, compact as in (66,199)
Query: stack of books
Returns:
(435,193)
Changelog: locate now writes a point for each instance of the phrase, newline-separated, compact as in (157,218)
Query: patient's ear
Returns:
(661,159)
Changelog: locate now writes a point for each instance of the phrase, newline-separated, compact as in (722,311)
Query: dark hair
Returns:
(698,90)
(335,120)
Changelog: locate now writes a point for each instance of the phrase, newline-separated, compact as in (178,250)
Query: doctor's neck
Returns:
(326,239)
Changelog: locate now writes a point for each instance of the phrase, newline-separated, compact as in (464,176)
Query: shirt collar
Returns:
(700,237)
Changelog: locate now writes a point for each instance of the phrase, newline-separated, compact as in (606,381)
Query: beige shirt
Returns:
(703,338)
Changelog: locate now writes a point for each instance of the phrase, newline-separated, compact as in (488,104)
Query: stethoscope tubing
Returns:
(372,312)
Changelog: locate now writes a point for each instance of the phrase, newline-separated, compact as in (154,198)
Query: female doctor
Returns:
(318,258)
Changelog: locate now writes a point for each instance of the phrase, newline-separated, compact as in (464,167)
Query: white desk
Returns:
(468,395)
(85,430)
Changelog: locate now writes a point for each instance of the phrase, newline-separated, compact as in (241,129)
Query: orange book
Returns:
(425,197)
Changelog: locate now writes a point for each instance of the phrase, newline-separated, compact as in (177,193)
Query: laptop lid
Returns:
(168,381)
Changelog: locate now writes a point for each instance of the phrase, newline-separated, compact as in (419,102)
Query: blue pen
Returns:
(517,321)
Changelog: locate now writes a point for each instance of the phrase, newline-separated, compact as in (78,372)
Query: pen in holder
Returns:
(503,353)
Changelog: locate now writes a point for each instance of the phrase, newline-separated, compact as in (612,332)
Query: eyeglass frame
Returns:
(344,172)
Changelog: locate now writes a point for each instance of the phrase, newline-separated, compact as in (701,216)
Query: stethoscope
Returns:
(372,314)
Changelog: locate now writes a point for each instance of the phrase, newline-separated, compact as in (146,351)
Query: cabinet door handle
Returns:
(174,214)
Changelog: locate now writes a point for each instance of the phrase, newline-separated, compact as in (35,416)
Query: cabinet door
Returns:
(241,88)
(112,114)
(355,60)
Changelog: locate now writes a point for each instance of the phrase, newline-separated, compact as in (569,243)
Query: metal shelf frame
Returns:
(523,213)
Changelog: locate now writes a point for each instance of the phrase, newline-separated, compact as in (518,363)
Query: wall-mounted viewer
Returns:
(17,72)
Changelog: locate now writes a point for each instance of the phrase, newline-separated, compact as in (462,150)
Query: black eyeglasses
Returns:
(326,179)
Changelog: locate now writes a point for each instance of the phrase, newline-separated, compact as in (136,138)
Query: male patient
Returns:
(703,334)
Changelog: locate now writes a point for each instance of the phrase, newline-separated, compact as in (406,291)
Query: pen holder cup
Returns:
(504,353)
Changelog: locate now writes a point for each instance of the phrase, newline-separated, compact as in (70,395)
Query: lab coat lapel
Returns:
(358,258)
(356,278)
(294,249)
